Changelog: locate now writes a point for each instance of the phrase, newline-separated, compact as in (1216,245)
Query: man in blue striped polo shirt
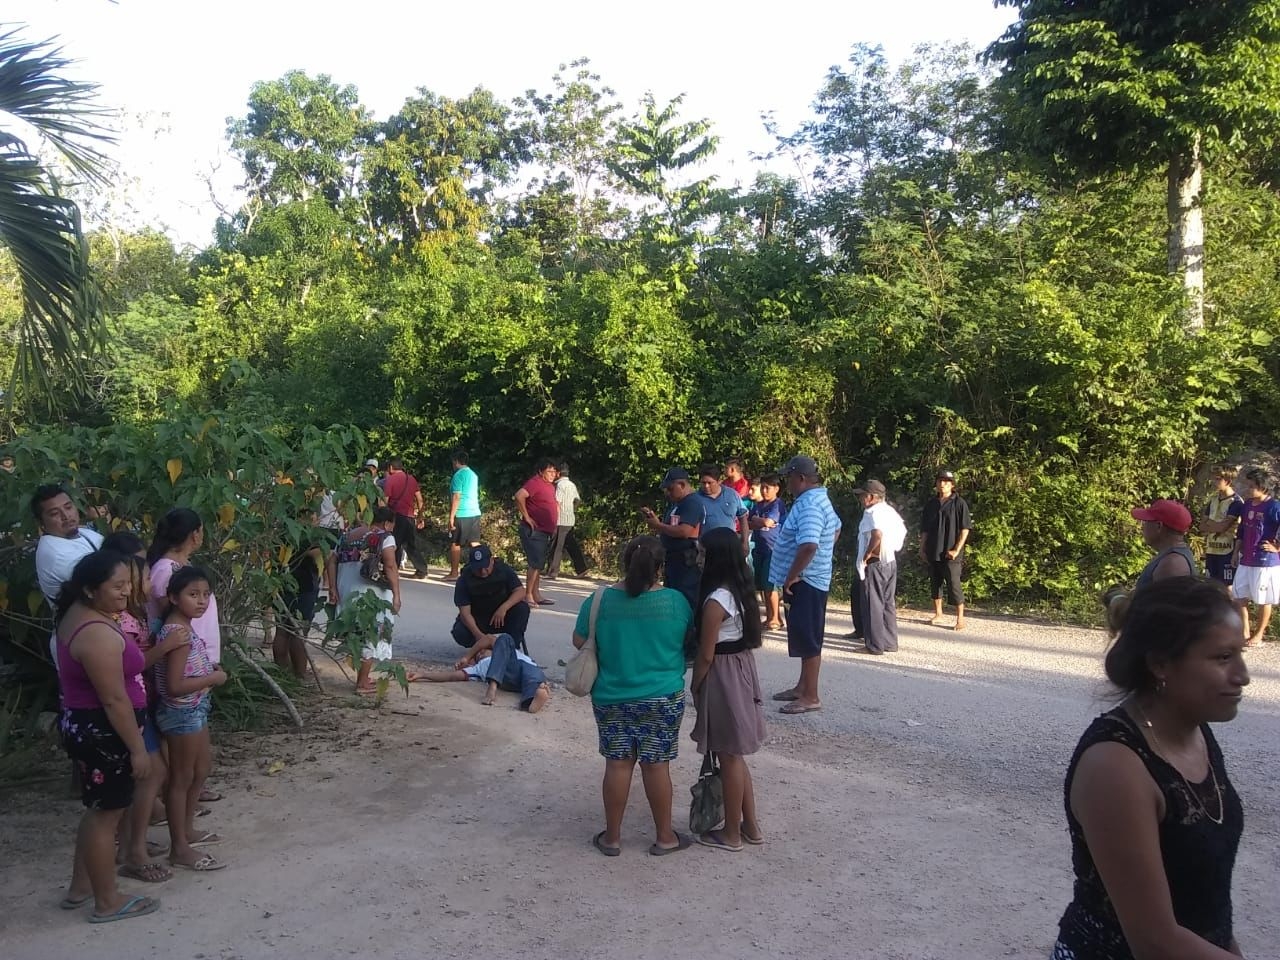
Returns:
(801,563)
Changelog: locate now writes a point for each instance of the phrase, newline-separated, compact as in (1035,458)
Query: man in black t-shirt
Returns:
(490,599)
(944,531)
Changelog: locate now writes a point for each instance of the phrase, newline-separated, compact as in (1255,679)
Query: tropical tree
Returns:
(1103,86)
(60,323)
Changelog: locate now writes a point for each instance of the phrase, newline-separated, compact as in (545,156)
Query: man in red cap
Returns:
(1164,529)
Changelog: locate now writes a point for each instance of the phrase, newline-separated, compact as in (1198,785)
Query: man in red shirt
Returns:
(405,498)
(539,514)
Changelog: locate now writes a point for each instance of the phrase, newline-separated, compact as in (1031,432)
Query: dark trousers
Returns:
(945,574)
(515,623)
(565,540)
(855,603)
(407,543)
(512,673)
(879,609)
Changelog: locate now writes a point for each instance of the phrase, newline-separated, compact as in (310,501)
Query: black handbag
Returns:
(706,812)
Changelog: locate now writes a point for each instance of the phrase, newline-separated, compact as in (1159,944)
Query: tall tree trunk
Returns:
(1186,229)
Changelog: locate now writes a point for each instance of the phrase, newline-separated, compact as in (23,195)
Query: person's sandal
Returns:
(598,842)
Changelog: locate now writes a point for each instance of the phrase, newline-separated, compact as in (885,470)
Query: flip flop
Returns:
(754,841)
(133,907)
(714,838)
(71,903)
(684,843)
(146,872)
(786,696)
(156,849)
(791,709)
(544,602)
(598,842)
(206,864)
(209,796)
(205,839)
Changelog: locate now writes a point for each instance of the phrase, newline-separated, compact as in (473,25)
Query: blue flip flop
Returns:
(127,912)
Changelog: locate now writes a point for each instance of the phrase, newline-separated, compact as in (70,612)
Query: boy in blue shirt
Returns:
(764,518)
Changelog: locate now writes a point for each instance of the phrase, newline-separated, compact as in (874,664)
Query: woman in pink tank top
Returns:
(104,703)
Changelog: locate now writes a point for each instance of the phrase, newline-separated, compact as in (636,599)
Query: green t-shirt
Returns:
(639,644)
(467,485)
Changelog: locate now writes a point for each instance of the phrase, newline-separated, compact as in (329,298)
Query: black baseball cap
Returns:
(805,466)
(478,557)
(945,475)
(674,474)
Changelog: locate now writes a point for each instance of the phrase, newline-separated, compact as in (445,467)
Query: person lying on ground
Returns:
(496,661)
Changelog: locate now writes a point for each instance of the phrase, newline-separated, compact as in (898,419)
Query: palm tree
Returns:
(61,325)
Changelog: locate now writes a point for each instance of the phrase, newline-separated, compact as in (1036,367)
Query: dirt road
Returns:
(917,816)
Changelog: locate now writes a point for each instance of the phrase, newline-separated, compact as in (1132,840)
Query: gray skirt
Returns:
(730,707)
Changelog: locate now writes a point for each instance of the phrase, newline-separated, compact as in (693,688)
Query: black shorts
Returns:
(806,619)
(536,543)
(466,531)
(300,611)
(101,757)
(1218,566)
(946,572)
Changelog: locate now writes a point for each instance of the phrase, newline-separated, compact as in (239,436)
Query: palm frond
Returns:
(64,112)
(61,320)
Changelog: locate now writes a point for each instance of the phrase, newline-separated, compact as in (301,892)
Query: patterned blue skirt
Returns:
(644,730)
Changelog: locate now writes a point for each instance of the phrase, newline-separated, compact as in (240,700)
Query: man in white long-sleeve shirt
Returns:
(880,536)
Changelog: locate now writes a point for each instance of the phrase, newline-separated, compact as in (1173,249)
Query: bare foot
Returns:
(959,625)
(1254,640)
(367,690)
(489,696)
(934,621)
(540,699)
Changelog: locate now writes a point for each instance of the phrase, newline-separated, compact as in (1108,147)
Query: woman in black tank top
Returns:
(1153,818)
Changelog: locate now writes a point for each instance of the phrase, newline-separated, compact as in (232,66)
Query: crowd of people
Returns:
(1153,818)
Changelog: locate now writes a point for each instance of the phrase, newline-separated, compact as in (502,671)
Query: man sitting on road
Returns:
(490,600)
(496,661)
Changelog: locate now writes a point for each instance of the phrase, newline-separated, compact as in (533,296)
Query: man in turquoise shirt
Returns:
(464,511)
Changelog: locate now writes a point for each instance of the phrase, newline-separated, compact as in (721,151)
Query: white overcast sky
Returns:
(186,66)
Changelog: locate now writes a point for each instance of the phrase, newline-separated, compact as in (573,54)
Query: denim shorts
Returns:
(150,732)
(177,721)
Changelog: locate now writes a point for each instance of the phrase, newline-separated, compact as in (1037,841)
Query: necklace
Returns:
(1217,788)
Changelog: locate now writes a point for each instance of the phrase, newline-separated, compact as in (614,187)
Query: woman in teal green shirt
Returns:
(638,697)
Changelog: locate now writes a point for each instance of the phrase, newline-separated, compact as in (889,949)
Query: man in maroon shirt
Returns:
(539,514)
(405,498)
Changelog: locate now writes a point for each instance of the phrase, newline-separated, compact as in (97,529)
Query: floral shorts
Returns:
(102,758)
(644,730)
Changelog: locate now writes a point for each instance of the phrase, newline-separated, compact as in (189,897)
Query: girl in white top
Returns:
(726,685)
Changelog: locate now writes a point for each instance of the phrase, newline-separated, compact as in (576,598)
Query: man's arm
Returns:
(484,643)
(805,553)
(469,621)
(960,542)
(873,545)
(454,500)
(517,596)
(677,531)
(419,506)
(522,504)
